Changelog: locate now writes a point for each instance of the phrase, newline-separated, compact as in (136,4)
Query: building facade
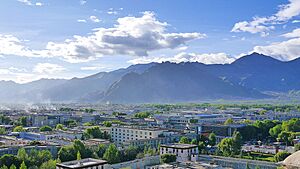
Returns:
(183,152)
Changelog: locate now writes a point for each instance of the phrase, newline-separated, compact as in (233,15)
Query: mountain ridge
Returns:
(246,78)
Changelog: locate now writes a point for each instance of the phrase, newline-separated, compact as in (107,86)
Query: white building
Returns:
(123,134)
(87,163)
(183,152)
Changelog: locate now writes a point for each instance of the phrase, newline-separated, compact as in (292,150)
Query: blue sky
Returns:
(76,38)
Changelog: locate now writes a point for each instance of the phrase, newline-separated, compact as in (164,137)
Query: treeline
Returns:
(34,160)
(272,130)
(108,152)
(272,107)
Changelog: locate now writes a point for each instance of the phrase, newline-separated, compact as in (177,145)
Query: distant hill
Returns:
(249,77)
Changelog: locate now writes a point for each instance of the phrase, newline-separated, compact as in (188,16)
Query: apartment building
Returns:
(121,134)
(183,152)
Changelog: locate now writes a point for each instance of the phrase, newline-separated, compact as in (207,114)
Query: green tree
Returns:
(107,123)
(184,140)
(23,120)
(8,160)
(228,121)
(226,146)
(212,139)
(78,156)
(18,129)
(13,167)
(275,131)
(168,158)
(51,164)
(130,153)
(22,155)
(2,131)
(201,146)
(23,165)
(101,150)
(59,127)
(4,119)
(112,154)
(194,141)
(291,125)
(95,132)
(67,153)
(237,142)
(280,156)
(4,167)
(285,137)
(45,128)
(142,115)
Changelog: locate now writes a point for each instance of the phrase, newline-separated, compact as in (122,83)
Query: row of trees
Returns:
(272,130)
(108,152)
(272,107)
(35,159)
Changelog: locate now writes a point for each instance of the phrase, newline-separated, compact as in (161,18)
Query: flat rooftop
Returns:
(87,162)
(179,146)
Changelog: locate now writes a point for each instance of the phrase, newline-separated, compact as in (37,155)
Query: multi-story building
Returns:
(121,134)
(183,152)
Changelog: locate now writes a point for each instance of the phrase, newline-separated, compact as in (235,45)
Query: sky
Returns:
(77,38)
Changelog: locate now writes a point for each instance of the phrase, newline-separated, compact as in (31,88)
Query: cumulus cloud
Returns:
(94,19)
(10,45)
(286,50)
(211,58)
(263,25)
(133,36)
(48,68)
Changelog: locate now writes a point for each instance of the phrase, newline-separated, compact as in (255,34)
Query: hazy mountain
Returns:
(246,78)
(170,82)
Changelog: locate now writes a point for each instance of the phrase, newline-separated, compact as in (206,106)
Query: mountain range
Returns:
(249,77)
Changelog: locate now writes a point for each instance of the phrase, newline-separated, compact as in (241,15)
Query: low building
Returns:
(183,152)
(88,163)
(123,134)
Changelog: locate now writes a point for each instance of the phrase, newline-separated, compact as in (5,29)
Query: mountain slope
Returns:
(170,82)
(246,78)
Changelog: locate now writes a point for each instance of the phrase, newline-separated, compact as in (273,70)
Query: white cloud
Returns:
(38,4)
(81,20)
(26,2)
(296,21)
(285,50)
(48,68)
(10,45)
(29,3)
(94,19)
(211,58)
(82,2)
(294,34)
(263,25)
(133,36)
(112,12)
(288,11)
